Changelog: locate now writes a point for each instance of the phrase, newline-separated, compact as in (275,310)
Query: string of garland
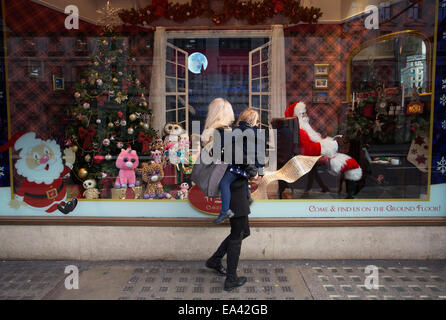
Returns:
(254,12)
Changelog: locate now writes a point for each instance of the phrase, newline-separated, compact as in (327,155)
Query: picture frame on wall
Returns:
(34,69)
(58,83)
(321,69)
(321,83)
(320,97)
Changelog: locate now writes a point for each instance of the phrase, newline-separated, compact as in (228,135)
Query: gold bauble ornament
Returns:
(115,80)
(82,173)
(111,125)
(141,124)
(132,117)
(146,126)
(74,148)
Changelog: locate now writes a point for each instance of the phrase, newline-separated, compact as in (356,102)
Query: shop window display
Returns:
(112,108)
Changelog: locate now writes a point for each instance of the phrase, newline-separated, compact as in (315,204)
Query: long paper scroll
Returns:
(295,168)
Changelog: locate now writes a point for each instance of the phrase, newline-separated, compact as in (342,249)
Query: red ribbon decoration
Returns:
(278,5)
(160,7)
(145,140)
(87,135)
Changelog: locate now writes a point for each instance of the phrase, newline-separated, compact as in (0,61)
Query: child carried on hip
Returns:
(244,163)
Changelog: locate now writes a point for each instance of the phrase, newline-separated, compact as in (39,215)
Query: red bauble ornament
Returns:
(98,159)
(120,115)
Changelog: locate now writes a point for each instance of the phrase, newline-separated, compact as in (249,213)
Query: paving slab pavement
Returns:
(191,280)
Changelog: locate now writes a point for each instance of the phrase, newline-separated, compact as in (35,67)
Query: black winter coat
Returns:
(239,199)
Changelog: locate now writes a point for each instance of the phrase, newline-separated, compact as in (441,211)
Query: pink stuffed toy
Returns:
(126,163)
(157,156)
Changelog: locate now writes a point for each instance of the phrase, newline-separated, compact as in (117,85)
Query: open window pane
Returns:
(171,85)
(171,102)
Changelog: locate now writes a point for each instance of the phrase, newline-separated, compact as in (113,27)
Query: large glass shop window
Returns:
(108,117)
(389,119)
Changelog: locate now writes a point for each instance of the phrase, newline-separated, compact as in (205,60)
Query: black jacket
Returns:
(257,167)
(251,169)
(239,199)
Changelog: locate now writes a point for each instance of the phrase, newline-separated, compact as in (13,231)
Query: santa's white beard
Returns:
(39,174)
(304,124)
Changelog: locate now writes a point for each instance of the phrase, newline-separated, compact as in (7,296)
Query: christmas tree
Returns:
(110,111)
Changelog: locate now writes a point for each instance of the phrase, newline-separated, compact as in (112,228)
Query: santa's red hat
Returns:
(294,109)
(12,141)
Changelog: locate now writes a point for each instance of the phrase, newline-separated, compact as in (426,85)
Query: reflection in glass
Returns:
(390,62)
(255,101)
(171,116)
(171,85)
(170,102)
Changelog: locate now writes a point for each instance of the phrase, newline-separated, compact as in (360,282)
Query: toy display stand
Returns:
(127,193)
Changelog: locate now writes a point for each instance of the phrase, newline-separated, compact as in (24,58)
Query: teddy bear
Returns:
(152,173)
(90,189)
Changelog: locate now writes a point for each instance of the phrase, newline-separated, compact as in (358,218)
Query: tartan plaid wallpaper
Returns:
(40,47)
(332,44)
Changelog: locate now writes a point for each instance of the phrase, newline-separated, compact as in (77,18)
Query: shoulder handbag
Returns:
(207,176)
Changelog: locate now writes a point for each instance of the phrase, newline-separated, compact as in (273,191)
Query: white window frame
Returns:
(178,94)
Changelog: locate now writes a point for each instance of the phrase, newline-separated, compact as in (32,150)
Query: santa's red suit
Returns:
(41,195)
(312,144)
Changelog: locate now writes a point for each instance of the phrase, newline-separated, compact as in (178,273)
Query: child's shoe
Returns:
(223,216)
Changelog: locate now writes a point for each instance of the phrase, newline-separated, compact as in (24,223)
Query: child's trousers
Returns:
(225,189)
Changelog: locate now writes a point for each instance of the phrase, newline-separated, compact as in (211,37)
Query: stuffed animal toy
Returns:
(127,162)
(184,190)
(171,132)
(90,189)
(183,148)
(157,144)
(157,156)
(152,173)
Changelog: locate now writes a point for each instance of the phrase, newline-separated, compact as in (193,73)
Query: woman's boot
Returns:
(233,253)
(214,262)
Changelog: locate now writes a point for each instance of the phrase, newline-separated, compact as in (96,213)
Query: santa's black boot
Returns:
(67,207)
(351,188)
(214,262)
(233,253)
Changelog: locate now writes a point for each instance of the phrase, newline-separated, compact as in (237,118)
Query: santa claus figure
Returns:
(40,163)
(312,144)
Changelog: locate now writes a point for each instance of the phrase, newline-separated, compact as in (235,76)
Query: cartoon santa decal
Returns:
(40,163)
(312,144)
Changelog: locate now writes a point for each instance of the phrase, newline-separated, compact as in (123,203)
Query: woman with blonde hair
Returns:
(219,118)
